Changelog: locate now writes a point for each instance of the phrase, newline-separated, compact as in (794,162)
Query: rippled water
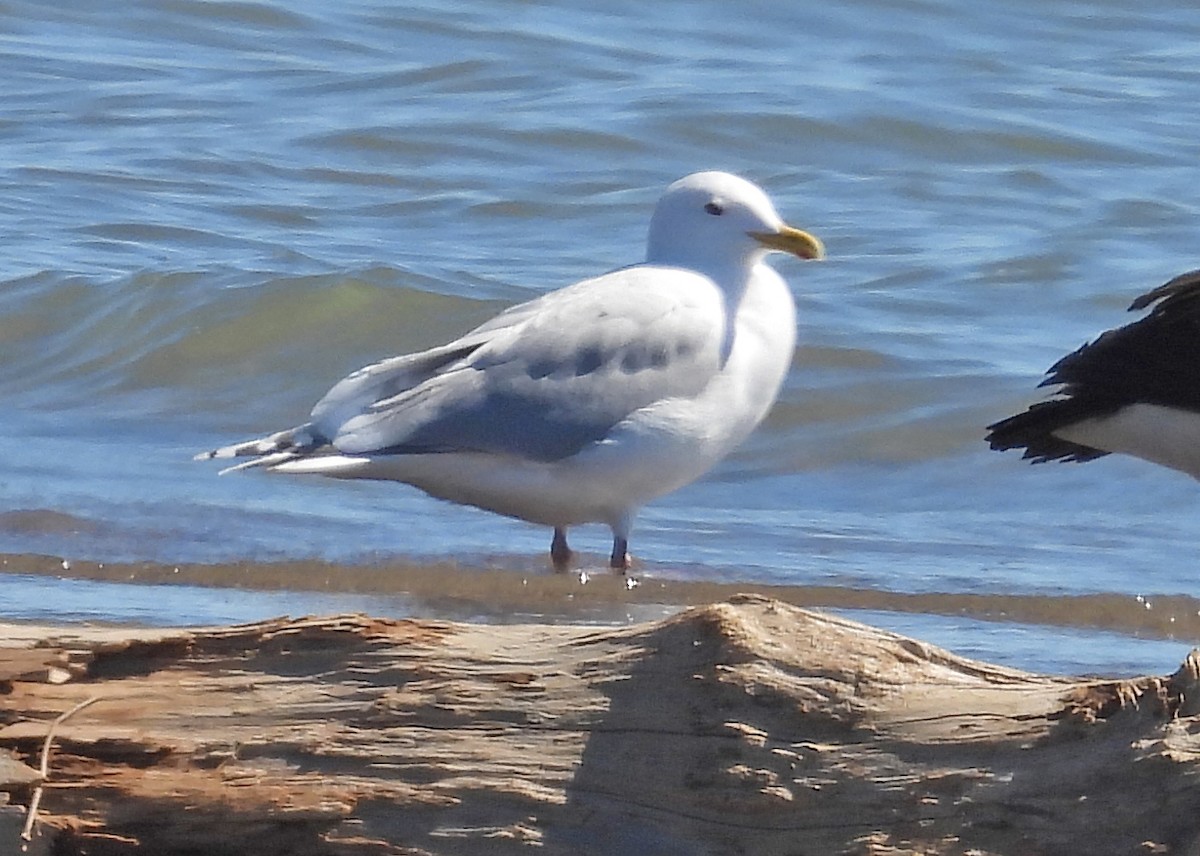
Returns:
(213,210)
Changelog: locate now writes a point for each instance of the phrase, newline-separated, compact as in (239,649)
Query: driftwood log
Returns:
(747,726)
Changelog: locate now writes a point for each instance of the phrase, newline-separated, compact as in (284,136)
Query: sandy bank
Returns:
(501,594)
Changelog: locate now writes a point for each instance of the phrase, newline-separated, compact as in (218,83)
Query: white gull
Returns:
(586,403)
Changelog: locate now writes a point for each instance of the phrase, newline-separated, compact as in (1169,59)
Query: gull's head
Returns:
(712,221)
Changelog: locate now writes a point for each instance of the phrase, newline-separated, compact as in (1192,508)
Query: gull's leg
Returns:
(560,553)
(620,559)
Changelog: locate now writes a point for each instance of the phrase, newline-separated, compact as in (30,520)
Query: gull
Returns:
(586,403)
(1132,391)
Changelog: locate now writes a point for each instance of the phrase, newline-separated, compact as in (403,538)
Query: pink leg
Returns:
(620,559)
(560,553)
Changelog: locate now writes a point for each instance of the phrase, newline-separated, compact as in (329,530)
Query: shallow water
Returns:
(212,211)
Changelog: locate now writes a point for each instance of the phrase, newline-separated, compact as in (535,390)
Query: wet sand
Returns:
(496,594)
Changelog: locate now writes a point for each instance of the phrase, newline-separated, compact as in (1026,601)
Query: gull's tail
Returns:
(271,450)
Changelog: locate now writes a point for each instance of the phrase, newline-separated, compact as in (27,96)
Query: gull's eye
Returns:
(714,209)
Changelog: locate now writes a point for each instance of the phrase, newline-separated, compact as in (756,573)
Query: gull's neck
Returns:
(730,274)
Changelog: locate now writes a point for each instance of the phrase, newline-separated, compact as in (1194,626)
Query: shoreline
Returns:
(448,589)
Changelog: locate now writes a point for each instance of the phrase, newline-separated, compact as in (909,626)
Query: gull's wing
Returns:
(542,379)
(362,389)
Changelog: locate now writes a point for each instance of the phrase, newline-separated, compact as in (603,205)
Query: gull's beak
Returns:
(794,241)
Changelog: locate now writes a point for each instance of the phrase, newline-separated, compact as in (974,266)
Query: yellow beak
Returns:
(794,241)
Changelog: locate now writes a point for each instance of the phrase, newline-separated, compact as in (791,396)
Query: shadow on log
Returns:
(747,726)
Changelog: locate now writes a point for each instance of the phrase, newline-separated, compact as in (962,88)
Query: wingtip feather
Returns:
(264,450)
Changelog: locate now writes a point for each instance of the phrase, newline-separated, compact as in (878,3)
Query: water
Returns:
(213,210)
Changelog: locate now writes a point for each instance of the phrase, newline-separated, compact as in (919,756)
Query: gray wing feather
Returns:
(362,390)
(359,391)
(545,378)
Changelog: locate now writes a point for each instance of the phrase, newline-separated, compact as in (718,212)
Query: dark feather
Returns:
(1154,360)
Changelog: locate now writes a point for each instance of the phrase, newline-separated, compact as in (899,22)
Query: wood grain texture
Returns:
(747,726)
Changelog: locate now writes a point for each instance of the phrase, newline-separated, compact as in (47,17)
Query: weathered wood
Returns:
(747,726)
